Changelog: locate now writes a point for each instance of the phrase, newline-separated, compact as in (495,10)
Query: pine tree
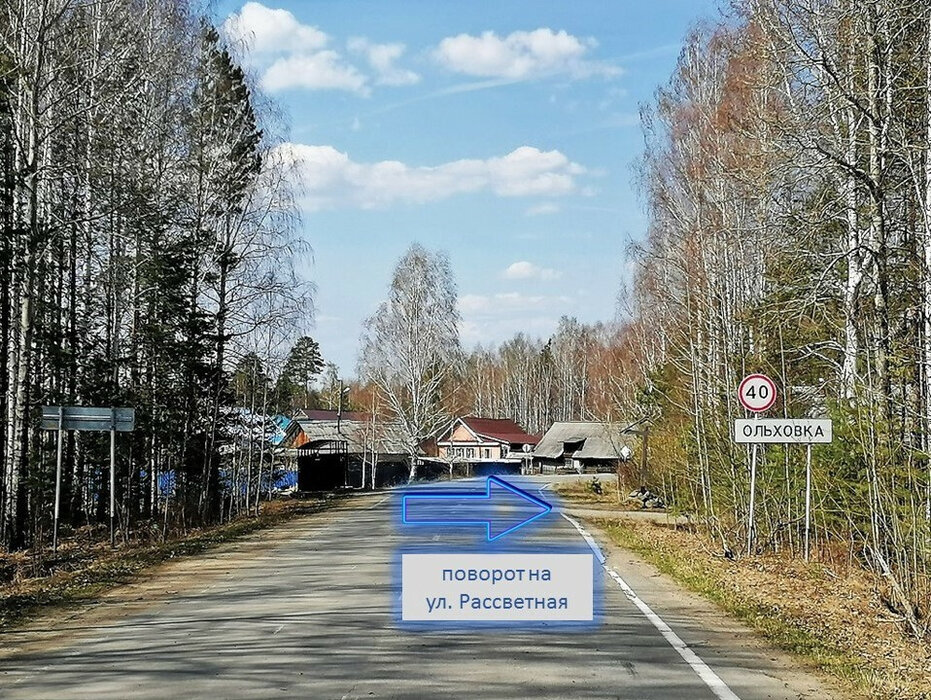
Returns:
(295,383)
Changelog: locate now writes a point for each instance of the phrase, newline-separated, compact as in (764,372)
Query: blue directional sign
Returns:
(501,508)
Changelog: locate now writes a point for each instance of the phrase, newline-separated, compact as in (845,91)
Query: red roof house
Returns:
(473,439)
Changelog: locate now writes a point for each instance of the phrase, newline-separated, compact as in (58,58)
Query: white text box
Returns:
(497,587)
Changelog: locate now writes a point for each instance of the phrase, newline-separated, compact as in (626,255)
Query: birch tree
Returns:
(145,217)
(410,346)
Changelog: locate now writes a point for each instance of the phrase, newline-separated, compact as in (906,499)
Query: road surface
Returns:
(309,610)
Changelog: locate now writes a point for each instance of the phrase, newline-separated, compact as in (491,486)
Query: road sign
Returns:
(797,431)
(122,420)
(757,392)
(112,420)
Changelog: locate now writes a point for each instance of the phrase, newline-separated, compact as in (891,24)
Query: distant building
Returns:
(485,445)
(582,447)
(338,450)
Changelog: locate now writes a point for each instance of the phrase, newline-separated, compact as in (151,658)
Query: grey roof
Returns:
(599,440)
(389,437)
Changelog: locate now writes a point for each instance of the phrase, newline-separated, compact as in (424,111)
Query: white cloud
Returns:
(332,179)
(543,209)
(508,301)
(265,30)
(289,54)
(521,55)
(381,58)
(323,70)
(496,331)
(524,270)
(494,318)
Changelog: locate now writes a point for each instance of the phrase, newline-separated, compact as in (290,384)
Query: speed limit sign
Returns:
(757,392)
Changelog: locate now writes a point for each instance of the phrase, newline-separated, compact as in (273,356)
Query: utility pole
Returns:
(340,442)
(644,436)
(339,406)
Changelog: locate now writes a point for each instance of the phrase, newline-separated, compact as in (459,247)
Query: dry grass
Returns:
(833,618)
(83,570)
(585,492)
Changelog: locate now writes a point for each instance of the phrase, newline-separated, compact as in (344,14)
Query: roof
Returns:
(389,439)
(501,429)
(255,426)
(281,428)
(322,414)
(599,440)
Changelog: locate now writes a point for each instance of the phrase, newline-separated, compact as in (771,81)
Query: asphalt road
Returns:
(310,611)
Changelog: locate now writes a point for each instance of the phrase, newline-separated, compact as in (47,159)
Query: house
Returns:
(583,447)
(253,446)
(339,449)
(485,445)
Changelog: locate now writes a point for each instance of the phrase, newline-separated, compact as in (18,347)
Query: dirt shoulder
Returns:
(124,580)
(828,619)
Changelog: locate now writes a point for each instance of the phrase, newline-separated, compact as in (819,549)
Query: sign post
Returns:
(750,520)
(112,477)
(786,431)
(807,499)
(62,418)
(757,393)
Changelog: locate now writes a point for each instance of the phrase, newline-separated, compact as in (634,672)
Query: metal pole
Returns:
(61,421)
(112,477)
(339,407)
(339,417)
(645,436)
(752,499)
(807,499)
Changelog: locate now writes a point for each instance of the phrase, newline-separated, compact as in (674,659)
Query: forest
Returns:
(147,245)
(786,176)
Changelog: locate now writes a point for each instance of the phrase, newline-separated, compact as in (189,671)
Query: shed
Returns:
(340,451)
(583,447)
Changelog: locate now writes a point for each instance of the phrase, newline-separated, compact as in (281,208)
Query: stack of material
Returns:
(646,498)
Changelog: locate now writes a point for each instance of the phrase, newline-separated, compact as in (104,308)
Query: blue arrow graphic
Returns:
(502,508)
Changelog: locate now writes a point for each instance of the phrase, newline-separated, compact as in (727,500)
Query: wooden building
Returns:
(340,450)
(583,447)
(486,445)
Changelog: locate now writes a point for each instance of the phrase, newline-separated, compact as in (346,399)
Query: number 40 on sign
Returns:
(757,392)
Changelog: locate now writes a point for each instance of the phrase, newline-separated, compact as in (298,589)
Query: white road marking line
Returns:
(710,678)
(588,539)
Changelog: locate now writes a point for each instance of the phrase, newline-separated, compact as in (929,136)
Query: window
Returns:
(470,453)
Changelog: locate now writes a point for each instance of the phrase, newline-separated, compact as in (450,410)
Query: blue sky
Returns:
(502,133)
